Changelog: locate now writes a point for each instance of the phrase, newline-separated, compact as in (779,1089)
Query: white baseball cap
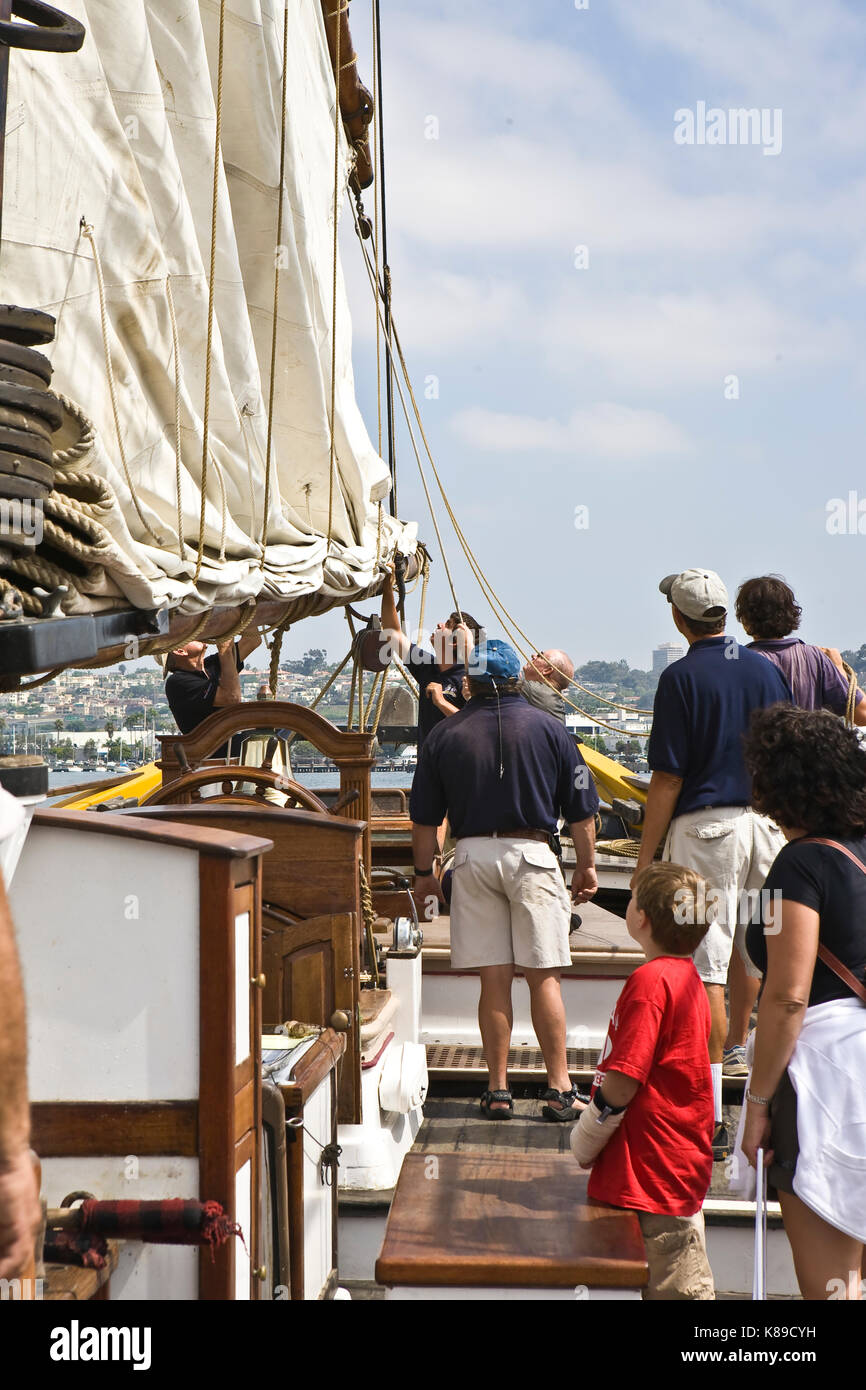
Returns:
(698,594)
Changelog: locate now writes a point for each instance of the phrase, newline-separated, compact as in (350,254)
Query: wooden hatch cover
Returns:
(515,1221)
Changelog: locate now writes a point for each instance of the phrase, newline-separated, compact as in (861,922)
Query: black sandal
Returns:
(566,1099)
(499,1096)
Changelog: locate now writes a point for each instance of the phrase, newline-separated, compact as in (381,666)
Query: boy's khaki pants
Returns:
(676,1253)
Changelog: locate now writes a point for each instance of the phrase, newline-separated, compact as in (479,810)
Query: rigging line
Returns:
(223,506)
(375,155)
(338,13)
(211,288)
(177,390)
(499,608)
(277,255)
(631,709)
(87,230)
(441,543)
(386,272)
(407,678)
(499,611)
(373,689)
(425,579)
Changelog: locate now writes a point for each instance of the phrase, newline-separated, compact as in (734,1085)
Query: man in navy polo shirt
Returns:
(504,772)
(700,790)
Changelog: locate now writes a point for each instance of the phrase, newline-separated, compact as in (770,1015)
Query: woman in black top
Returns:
(809,775)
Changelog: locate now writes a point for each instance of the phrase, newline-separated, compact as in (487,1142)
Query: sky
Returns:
(633,354)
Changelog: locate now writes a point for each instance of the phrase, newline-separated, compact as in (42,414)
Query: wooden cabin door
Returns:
(310,972)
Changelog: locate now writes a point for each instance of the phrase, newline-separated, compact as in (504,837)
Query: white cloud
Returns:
(609,432)
(686,339)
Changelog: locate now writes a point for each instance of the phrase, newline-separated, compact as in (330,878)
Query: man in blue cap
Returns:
(504,772)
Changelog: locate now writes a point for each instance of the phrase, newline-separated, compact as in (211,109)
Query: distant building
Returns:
(664,655)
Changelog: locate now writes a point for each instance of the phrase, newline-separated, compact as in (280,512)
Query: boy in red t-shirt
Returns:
(647,1132)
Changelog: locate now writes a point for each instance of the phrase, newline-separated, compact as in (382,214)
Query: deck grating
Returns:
(442,1057)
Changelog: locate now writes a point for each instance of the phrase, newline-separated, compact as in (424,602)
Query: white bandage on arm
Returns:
(591,1133)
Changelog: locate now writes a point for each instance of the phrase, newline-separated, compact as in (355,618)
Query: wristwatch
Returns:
(423,873)
(757,1100)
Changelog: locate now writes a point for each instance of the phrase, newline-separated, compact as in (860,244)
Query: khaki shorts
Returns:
(676,1252)
(732,847)
(509,905)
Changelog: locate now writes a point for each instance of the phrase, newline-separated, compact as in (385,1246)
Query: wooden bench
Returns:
(518,1226)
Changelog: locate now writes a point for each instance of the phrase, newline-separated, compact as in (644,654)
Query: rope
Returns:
(280,200)
(369,914)
(42,680)
(223,505)
(337,39)
(851,703)
(377,292)
(211,291)
(410,680)
(86,439)
(425,580)
(177,390)
(276,648)
(508,622)
(378,715)
(87,230)
(374,147)
(352,697)
(377,679)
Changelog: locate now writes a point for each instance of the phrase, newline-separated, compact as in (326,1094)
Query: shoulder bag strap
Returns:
(833,962)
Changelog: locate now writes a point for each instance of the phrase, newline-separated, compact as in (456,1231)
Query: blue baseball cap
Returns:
(493,662)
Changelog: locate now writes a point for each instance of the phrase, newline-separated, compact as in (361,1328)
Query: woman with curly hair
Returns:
(806,1098)
(769,613)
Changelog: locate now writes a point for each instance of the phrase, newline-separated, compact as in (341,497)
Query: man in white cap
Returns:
(700,790)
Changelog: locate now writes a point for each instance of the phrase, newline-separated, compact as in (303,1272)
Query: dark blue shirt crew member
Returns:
(700,794)
(504,772)
(439,672)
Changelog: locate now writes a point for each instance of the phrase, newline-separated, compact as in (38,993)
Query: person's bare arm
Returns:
(425,848)
(661,800)
(435,694)
(228,691)
(584,881)
(390,619)
(791,934)
(619,1089)
(19,1206)
(249,639)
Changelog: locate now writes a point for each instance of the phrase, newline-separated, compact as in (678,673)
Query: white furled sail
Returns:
(109,165)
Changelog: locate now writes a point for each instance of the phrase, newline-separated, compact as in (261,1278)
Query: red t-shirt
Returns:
(661,1157)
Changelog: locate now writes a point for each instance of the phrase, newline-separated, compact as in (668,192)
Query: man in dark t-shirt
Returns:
(504,773)
(196,685)
(439,672)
